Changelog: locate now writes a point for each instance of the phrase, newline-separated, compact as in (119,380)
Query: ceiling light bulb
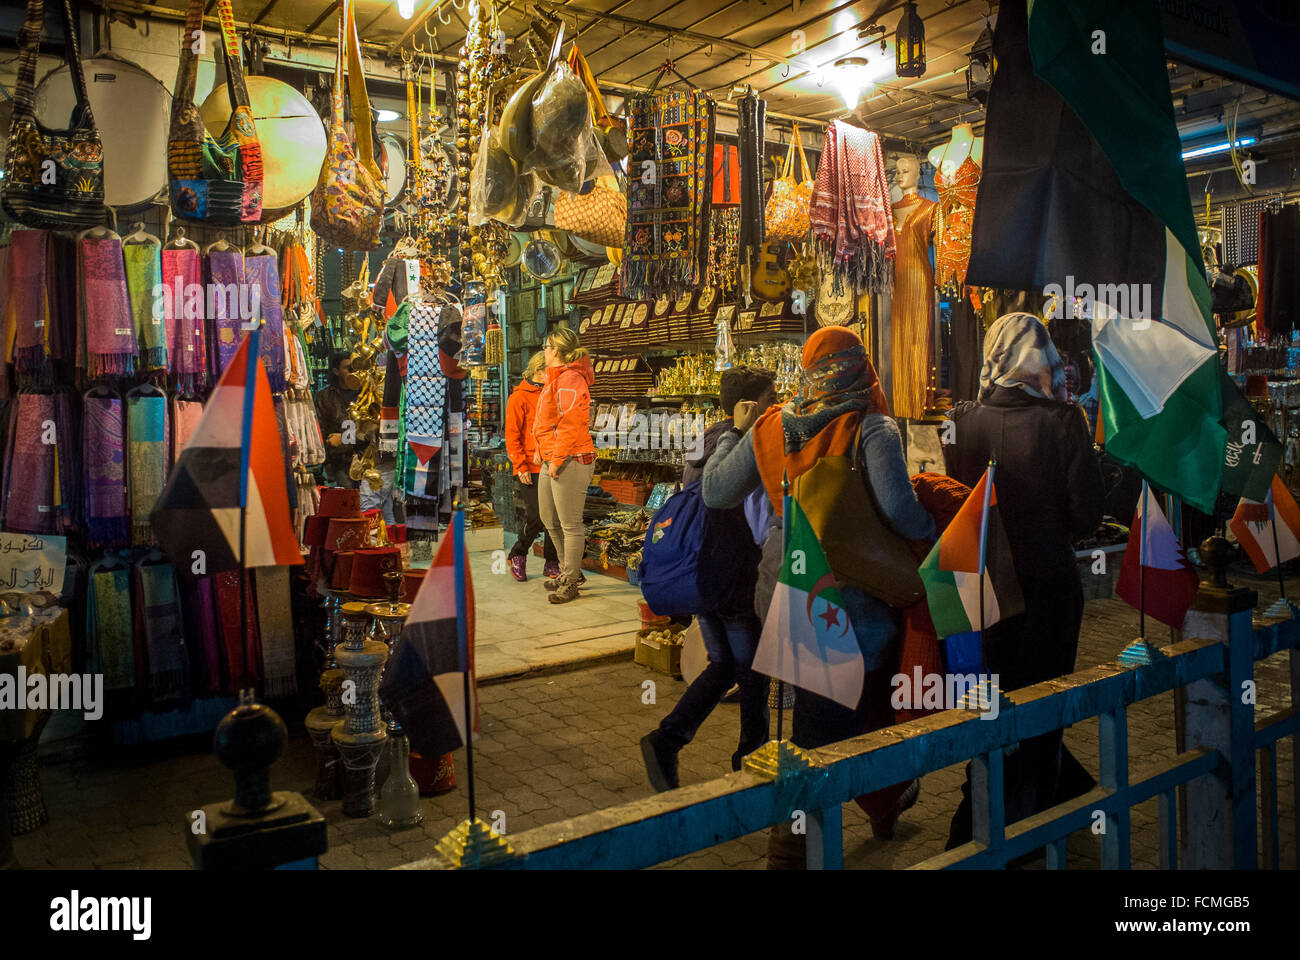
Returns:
(384,116)
(406,8)
(851,78)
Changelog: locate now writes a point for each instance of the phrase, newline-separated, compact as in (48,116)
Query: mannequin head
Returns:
(908,169)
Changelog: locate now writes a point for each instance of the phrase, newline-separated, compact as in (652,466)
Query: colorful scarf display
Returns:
(187,355)
(852,220)
(1019,353)
(108,342)
(158,619)
(143,282)
(665,251)
(225,274)
(27,310)
(275,626)
(32,494)
(108,625)
(263,278)
(146,420)
(104,459)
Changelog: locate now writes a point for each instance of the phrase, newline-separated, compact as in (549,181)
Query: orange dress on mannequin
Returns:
(911,312)
(956,216)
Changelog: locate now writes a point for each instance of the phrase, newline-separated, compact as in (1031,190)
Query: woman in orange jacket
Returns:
(521,410)
(566,452)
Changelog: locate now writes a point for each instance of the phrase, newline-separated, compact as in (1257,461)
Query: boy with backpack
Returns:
(720,576)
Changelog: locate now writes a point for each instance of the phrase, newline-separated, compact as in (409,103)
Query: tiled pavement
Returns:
(556,746)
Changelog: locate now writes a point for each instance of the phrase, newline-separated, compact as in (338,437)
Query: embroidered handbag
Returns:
(53,179)
(213,180)
(788,207)
(347,207)
(599,215)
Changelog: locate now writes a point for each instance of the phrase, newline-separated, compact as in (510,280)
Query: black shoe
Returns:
(660,761)
(732,695)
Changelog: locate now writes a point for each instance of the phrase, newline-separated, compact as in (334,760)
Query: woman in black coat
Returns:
(1049,488)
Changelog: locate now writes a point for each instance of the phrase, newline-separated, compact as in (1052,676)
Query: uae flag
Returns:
(972,551)
(231,468)
(1083,194)
(807,639)
(1269,531)
(430,674)
(1165,586)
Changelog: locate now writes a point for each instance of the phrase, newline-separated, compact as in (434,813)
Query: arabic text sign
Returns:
(31,562)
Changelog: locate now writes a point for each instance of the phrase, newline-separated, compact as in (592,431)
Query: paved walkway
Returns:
(558,745)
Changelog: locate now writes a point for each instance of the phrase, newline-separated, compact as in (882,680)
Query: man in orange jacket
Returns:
(521,410)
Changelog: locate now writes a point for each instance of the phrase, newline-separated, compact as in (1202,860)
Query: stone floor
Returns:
(556,745)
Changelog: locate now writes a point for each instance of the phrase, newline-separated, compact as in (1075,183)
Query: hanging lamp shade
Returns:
(909,43)
(979,73)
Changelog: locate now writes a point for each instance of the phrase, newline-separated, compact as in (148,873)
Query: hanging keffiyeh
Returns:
(425,401)
(146,420)
(852,220)
(263,279)
(108,342)
(104,457)
(109,642)
(143,280)
(275,624)
(187,356)
(28,307)
(665,251)
(226,276)
(158,618)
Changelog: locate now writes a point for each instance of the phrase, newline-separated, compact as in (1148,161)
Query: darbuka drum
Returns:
(132,113)
(291,134)
(394,169)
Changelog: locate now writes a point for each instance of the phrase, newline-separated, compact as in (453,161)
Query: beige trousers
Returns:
(560,501)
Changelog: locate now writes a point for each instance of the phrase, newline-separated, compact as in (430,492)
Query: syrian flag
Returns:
(431,670)
(1083,194)
(972,550)
(1253,526)
(807,639)
(1170,582)
(232,466)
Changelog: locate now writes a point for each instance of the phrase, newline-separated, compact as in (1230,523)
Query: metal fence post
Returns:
(826,838)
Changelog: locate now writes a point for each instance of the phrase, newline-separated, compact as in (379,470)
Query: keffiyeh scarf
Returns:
(852,222)
(1019,353)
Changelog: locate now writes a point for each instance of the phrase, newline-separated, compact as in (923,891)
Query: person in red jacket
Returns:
(521,409)
(566,452)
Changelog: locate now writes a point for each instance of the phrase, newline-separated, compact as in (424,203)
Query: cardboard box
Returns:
(659,655)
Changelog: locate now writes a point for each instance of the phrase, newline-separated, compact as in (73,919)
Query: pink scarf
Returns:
(187,358)
(28,308)
(108,344)
(852,222)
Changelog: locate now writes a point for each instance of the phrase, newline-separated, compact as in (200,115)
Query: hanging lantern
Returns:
(979,74)
(909,43)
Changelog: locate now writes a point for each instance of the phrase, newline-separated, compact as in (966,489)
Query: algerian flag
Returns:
(807,638)
(973,550)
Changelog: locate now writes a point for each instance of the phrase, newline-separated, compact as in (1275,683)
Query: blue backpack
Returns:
(697,559)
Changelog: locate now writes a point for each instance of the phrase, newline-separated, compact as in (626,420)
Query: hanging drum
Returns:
(395,169)
(292,138)
(132,111)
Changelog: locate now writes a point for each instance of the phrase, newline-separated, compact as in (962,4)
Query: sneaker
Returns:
(555,583)
(565,590)
(551,570)
(732,695)
(884,829)
(518,567)
(660,761)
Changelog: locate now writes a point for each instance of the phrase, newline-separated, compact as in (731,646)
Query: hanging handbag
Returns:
(600,215)
(788,207)
(53,179)
(213,180)
(347,207)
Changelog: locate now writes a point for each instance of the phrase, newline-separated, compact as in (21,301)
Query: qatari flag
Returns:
(424,685)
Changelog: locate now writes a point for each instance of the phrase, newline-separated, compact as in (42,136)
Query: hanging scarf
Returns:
(108,626)
(187,355)
(275,626)
(225,273)
(32,468)
(104,456)
(852,220)
(668,217)
(143,284)
(208,624)
(242,647)
(158,621)
(425,402)
(1019,353)
(108,343)
(146,459)
(28,317)
(185,416)
(263,279)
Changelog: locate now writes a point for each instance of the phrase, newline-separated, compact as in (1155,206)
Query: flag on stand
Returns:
(807,639)
(1083,195)
(1170,582)
(1252,525)
(232,465)
(974,548)
(424,683)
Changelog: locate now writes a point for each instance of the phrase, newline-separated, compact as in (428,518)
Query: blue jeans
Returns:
(382,498)
(731,643)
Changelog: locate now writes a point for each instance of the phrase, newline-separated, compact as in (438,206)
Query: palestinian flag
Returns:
(974,548)
(1165,586)
(424,684)
(807,639)
(232,465)
(1083,194)
(1270,531)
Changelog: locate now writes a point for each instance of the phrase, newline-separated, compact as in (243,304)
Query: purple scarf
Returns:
(263,277)
(105,464)
(29,304)
(225,273)
(29,505)
(187,356)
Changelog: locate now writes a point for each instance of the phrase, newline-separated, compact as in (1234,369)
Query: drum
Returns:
(133,115)
(395,169)
(291,134)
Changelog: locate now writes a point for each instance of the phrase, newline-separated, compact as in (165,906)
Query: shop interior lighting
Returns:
(406,8)
(1212,148)
(384,116)
(979,73)
(909,43)
(850,78)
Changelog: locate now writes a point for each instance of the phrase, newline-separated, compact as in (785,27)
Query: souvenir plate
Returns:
(662,305)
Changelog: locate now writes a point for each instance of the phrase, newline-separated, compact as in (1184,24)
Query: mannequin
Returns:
(963,143)
(911,306)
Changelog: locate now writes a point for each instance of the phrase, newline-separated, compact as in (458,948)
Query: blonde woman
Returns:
(521,411)
(566,454)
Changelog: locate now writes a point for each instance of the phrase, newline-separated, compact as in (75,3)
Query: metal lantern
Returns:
(979,74)
(909,43)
